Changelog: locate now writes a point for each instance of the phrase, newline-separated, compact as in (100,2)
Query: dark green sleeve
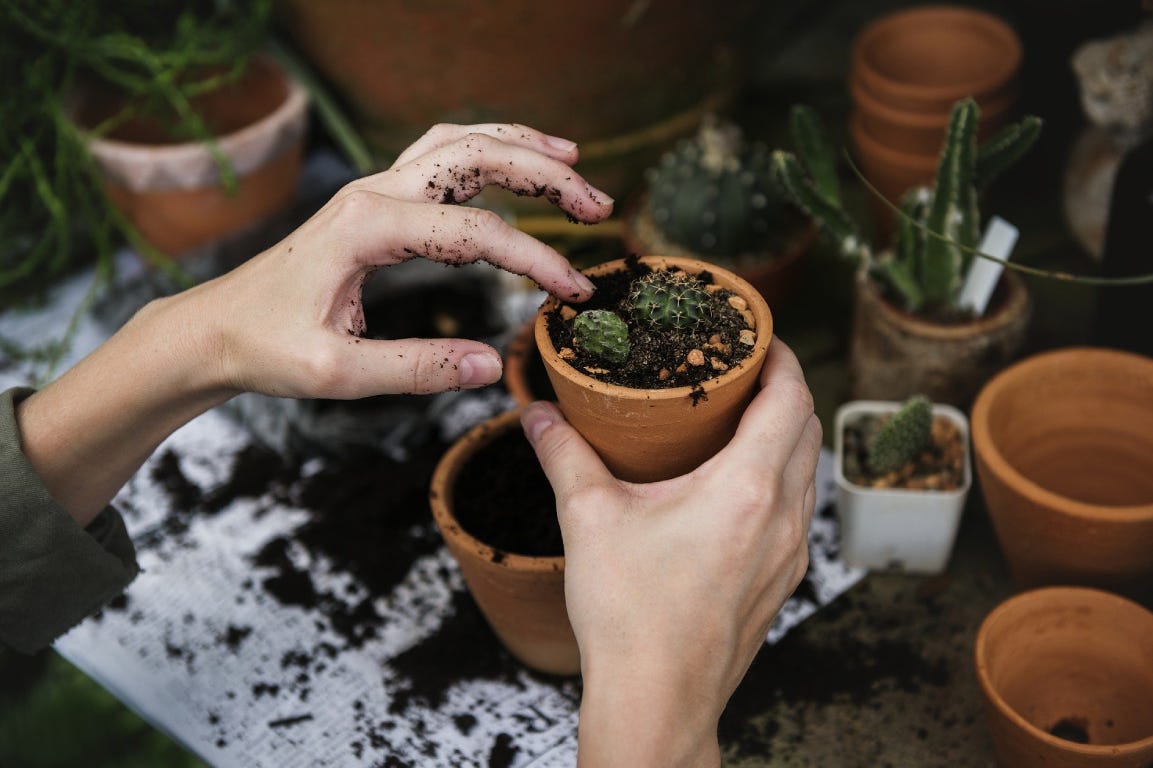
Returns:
(53,573)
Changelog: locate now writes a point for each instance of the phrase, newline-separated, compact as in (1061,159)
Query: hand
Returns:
(671,586)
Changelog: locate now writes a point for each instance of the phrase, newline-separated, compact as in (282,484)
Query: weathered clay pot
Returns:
(172,192)
(524,375)
(894,355)
(521,597)
(924,58)
(1064,449)
(645,435)
(1067,678)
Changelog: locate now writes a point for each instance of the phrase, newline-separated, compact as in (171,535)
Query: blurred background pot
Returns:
(1064,450)
(1067,679)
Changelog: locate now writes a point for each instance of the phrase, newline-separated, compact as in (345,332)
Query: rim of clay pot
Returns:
(908,161)
(1012,604)
(443,488)
(1003,312)
(248,147)
(853,407)
(865,101)
(757,305)
(989,452)
(881,36)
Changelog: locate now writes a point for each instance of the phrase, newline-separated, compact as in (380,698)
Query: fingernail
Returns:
(583,282)
(479,368)
(536,418)
(601,197)
(556,142)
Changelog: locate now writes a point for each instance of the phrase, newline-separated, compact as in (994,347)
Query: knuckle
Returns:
(323,368)
(354,204)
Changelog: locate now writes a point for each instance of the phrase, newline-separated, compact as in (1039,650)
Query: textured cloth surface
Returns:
(53,573)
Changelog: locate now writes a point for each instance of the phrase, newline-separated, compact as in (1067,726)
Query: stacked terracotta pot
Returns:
(907,70)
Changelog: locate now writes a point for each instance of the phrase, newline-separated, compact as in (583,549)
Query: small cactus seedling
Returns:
(902,437)
(602,333)
(670,300)
(939,227)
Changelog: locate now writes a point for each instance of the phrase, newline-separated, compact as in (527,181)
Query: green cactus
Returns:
(602,333)
(669,299)
(713,194)
(902,437)
(939,227)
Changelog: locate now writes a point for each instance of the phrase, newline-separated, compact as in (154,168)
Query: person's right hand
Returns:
(671,586)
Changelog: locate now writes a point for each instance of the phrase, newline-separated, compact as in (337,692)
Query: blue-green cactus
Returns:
(902,437)
(669,299)
(603,334)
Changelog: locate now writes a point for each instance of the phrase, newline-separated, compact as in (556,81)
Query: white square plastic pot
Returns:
(897,529)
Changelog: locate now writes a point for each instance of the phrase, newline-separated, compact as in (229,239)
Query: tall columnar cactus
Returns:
(938,227)
(603,334)
(670,300)
(902,437)
(713,194)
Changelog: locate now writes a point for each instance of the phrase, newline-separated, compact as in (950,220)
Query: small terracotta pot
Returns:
(923,59)
(1064,448)
(645,435)
(1067,678)
(521,597)
(890,172)
(894,355)
(171,192)
(524,374)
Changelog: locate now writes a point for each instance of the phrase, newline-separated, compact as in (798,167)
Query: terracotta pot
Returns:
(171,191)
(521,597)
(623,81)
(890,172)
(1064,448)
(894,355)
(645,435)
(1064,665)
(773,274)
(525,377)
(923,59)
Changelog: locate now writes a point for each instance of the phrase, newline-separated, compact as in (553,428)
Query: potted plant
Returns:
(496,511)
(903,474)
(1066,675)
(712,198)
(657,368)
(910,333)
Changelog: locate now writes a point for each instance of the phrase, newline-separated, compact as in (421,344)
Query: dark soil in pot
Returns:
(939,468)
(657,360)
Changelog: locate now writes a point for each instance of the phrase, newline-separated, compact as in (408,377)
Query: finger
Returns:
(457,172)
(446,133)
(569,463)
(374,230)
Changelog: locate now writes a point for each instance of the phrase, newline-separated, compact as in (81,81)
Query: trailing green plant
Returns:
(902,437)
(938,226)
(669,299)
(602,333)
(714,195)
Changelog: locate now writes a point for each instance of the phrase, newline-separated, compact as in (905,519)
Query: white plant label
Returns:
(998,242)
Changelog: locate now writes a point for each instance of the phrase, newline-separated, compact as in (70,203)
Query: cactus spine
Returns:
(670,300)
(602,333)
(902,437)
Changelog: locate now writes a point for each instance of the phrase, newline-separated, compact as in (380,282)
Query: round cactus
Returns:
(671,300)
(602,333)
(714,194)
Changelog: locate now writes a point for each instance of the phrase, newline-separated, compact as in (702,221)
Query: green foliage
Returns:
(602,333)
(669,299)
(938,227)
(902,437)
(713,194)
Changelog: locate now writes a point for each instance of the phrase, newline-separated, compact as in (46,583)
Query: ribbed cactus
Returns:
(667,299)
(939,228)
(602,333)
(713,194)
(902,437)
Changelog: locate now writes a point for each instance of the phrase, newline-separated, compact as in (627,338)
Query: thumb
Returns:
(568,461)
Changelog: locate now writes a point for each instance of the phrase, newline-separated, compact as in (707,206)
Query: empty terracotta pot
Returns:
(1067,679)
(891,172)
(521,597)
(1064,449)
(645,435)
(923,59)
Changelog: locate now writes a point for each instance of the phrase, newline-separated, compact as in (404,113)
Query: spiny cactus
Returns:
(669,299)
(939,227)
(902,437)
(602,333)
(713,194)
